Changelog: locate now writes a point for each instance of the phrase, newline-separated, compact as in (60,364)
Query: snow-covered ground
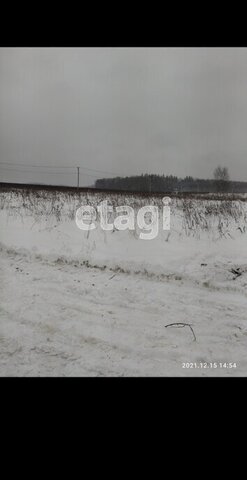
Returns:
(78,303)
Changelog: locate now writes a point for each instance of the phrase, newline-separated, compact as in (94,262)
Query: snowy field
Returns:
(97,303)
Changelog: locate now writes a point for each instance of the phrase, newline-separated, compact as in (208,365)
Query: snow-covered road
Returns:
(59,319)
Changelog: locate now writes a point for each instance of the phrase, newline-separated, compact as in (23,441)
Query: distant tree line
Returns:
(171,183)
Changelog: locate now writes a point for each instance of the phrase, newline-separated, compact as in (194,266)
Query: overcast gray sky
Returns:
(178,111)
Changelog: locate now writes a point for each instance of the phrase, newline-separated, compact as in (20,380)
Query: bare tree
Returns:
(221,175)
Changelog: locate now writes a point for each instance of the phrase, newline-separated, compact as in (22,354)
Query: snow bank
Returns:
(43,224)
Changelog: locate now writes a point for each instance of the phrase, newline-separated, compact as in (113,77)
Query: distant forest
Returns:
(169,183)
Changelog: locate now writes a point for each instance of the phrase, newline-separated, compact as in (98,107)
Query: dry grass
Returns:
(198,212)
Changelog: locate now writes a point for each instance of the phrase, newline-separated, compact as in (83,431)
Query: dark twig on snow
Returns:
(181,325)
(236,272)
(112,276)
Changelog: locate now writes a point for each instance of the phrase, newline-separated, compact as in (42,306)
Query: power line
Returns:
(57,166)
(100,171)
(30,171)
(47,173)
(33,166)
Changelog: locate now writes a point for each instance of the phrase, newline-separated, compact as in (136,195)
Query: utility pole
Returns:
(78,177)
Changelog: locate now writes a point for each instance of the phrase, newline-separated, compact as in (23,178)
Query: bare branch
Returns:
(181,325)
(113,276)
